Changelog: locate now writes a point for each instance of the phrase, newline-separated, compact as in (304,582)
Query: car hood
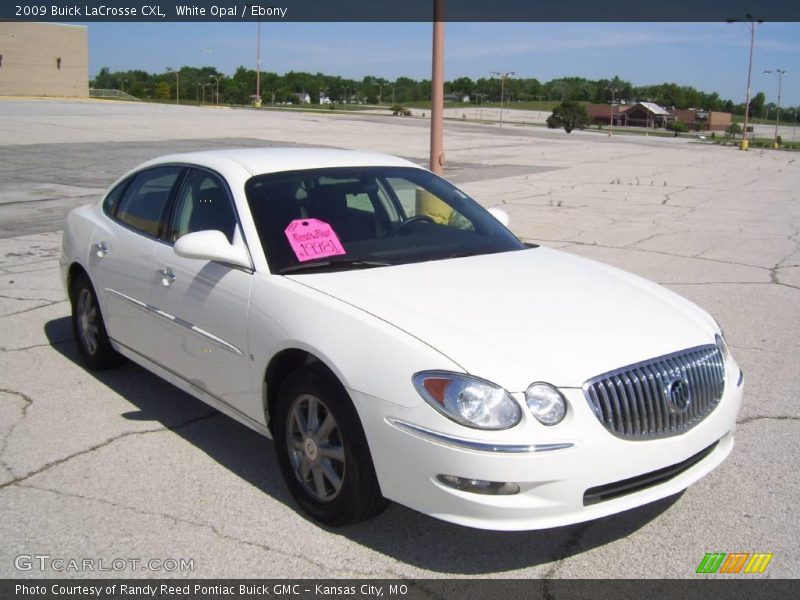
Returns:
(530,315)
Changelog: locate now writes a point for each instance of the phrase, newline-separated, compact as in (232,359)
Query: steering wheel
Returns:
(409,223)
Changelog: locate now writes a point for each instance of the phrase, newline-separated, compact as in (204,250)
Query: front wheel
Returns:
(89,328)
(322,451)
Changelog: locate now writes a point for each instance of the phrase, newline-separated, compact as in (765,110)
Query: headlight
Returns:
(468,400)
(546,403)
(723,348)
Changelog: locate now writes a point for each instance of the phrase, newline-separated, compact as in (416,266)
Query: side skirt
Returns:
(190,388)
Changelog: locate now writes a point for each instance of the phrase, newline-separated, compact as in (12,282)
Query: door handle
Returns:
(101,249)
(166,275)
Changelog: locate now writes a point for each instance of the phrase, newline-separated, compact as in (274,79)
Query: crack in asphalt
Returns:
(53,343)
(103,444)
(20,312)
(566,550)
(28,299)
(324,567)
(747,420)
(212,528)
(668,195)
(596,245)
(27,402)
(757,349)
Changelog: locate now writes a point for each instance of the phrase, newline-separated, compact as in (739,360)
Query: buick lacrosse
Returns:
(397,341)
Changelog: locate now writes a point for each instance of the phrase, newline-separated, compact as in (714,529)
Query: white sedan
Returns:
(397,341)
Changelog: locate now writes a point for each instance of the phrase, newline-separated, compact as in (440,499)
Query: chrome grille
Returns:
(660,397)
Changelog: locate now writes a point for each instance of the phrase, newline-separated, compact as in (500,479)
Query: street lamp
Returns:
(177,85)
(258,66)
(753,22)
(611,115)
(481,101)
(502,89)
(781,73)
(216,79)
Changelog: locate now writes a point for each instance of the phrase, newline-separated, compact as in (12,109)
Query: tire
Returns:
(327,467)
(89,328)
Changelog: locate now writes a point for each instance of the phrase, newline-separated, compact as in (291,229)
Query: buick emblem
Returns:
(678,395)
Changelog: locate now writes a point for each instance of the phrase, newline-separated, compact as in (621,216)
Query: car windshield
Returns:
(360,217)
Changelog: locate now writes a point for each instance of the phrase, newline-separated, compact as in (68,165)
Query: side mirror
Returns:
(500,215)
(211,245)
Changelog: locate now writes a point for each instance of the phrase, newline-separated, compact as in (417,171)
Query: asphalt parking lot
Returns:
(119,464)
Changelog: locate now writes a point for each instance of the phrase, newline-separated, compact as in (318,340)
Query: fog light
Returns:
(478,486)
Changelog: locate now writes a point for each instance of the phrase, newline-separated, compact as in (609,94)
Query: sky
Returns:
(711,57)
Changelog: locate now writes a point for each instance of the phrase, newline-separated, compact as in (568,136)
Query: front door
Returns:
(204,304)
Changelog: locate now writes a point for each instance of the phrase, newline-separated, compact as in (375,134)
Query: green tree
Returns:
(757,105)
(104,79)
(733,129)
(677,127)
(162,91)
(569,115)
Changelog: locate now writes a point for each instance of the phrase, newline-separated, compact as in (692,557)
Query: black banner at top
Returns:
(69,11)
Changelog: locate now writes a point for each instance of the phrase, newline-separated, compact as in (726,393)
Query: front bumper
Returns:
(554,467)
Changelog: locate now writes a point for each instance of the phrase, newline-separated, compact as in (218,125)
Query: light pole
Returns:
(781,73)
(480,105)
(753,22)
(177,85)
(258,66)
(502,89)
(216,79)
(611,115)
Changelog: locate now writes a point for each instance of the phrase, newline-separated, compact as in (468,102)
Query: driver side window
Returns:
(202,204)
(419,202)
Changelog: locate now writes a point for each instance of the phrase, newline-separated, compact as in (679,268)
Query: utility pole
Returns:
(437,89)
(753,22)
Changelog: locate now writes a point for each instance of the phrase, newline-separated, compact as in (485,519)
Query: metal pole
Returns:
(437,89)
(258,66)
(611,117)
(177,88)
(502,93)
(780,73)
(778,109)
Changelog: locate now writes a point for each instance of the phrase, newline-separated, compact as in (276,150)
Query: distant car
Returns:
(397,341)
(699,136)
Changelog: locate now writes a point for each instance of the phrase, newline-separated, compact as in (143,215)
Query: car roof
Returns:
(258,161)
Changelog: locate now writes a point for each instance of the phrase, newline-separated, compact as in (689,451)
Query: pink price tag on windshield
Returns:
(312,238)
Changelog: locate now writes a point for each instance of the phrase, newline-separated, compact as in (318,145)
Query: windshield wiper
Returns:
(347,263)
